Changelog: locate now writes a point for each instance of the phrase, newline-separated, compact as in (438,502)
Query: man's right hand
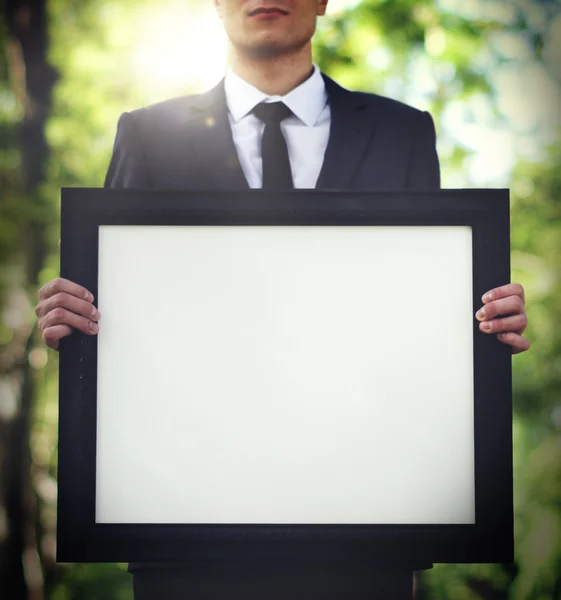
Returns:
(64,306)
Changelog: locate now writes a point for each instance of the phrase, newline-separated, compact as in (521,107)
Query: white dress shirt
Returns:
(306,131)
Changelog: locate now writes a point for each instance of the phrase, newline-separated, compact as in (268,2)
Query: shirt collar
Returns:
(306,101)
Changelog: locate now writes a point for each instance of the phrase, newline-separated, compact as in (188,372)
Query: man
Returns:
(317,135)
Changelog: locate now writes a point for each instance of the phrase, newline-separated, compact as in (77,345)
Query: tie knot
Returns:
(272,112)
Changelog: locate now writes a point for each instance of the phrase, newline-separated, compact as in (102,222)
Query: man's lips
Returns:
(267,12)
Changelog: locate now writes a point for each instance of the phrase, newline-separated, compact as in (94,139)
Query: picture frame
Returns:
(192,287)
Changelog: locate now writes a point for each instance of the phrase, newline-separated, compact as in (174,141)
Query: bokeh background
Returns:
(490,73)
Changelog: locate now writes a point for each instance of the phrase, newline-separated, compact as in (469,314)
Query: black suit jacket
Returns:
(186,143)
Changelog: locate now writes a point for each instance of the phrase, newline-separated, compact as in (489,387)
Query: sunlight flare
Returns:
(180,49)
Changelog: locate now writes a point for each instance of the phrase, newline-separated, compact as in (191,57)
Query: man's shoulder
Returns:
(381,104)
(181,107)
(388,105)
(178,111)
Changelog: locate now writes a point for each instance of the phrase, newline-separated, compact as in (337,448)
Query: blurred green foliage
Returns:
(485,69)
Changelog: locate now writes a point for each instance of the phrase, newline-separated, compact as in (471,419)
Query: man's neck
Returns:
(275,76)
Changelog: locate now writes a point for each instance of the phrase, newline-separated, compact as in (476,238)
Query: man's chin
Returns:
(269,48)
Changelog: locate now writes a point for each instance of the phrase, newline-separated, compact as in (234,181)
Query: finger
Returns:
(517,323)
(53,335)
(512,305)
(518,343)
(61,316)
(64,285)
(71,303)
(511,289)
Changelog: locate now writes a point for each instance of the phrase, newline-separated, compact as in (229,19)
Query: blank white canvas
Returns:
(285,375)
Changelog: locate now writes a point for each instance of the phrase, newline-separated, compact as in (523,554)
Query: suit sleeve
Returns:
(424,169)
(128,167)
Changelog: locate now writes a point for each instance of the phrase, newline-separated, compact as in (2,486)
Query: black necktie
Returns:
(276,165)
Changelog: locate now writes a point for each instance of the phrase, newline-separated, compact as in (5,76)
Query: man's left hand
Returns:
(506,302)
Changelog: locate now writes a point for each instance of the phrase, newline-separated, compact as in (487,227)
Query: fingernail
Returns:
(93,326)
(487,297)
(89,297)
(486,326)
(480,314)
(96,315)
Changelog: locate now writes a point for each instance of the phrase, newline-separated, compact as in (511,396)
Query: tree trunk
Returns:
(32,80)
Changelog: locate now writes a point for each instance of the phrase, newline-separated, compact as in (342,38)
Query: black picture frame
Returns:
(490,539)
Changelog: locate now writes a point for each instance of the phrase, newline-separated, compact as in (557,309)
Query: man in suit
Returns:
(274,122)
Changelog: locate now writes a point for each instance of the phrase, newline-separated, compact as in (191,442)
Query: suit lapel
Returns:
(210,130)
(350,136)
